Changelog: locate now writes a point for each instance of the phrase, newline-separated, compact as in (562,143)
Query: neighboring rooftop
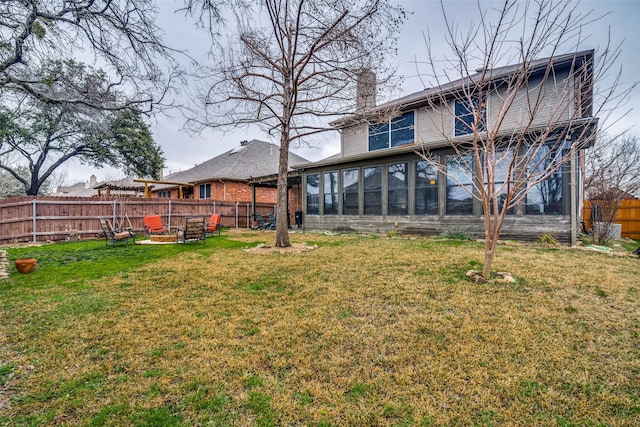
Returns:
(124,186)
(249,160)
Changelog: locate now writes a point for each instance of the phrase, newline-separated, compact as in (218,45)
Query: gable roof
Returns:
(123,186)
(251,159)
(419,99)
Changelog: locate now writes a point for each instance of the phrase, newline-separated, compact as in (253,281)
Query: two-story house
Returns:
(379,181)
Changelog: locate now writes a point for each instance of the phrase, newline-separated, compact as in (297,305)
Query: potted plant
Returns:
(26,265)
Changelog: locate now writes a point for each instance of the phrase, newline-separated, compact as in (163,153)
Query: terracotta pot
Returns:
(26,265)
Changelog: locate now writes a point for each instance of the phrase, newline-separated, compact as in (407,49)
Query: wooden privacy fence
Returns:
(43,218)
(628,216)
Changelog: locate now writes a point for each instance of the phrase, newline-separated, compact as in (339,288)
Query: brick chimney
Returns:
(365,90)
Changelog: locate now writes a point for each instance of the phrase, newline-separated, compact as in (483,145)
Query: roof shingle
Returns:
(254,158)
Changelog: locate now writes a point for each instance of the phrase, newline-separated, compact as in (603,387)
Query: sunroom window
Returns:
(426,202)
(372,190)
(350,191)
(545,197)
(398,192)
(313,194)
(459,186)
(330,191)
(500,161)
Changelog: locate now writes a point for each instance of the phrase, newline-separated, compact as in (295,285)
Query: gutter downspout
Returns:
(573,195)
(224,189)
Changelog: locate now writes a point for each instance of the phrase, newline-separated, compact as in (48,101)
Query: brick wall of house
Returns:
(237,191)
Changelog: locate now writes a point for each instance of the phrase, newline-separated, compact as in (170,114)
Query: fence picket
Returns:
(628,216)
(45,218)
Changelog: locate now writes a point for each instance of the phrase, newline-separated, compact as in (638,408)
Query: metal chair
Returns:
(193,230)
(117,235)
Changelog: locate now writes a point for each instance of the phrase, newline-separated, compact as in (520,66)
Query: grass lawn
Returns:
(359,332)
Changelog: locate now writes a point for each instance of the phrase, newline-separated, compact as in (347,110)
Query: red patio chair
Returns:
(214,225)
(153,225)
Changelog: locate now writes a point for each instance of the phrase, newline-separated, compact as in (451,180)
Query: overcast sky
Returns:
(182,151)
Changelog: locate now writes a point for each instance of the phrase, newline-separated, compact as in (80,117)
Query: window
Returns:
(330,191)
(350,196)
(502,161)
(398,189)
(398,131)
(313,194)
(459,186)
(546,196)
(426,188)
(465,116)
(372,190)
(205,191)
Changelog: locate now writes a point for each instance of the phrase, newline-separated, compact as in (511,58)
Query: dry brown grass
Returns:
(360,331)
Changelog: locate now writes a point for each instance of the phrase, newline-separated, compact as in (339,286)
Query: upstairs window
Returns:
(395,132)
(465,116)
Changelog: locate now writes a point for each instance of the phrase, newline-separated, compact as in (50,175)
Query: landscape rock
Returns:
(471,273)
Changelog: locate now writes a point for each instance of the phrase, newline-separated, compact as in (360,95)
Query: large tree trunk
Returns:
(282,226)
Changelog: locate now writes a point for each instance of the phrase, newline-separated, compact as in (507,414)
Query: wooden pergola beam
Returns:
(147,192)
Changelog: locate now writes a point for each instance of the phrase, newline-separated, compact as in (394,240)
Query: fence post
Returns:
(248,220)
(169,215)
(214,207)
(35,234)
(236,214)
(113,215)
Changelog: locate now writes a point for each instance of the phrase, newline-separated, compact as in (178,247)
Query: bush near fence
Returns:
(628,216)
(47,218)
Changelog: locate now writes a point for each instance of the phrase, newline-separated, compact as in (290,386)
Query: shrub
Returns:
(548,240)
(457,234)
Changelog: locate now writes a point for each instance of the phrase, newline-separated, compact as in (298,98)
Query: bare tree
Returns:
(121,35)
(292,66)
(518,129)
(612,174)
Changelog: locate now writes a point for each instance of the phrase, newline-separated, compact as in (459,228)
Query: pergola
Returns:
(271,181)
(109,186)
(147,189)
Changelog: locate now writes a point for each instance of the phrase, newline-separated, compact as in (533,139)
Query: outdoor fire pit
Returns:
(163,238)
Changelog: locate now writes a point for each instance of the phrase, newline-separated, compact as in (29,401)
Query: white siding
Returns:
(355,140)
(554,98)
(549,101)
(433,124)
